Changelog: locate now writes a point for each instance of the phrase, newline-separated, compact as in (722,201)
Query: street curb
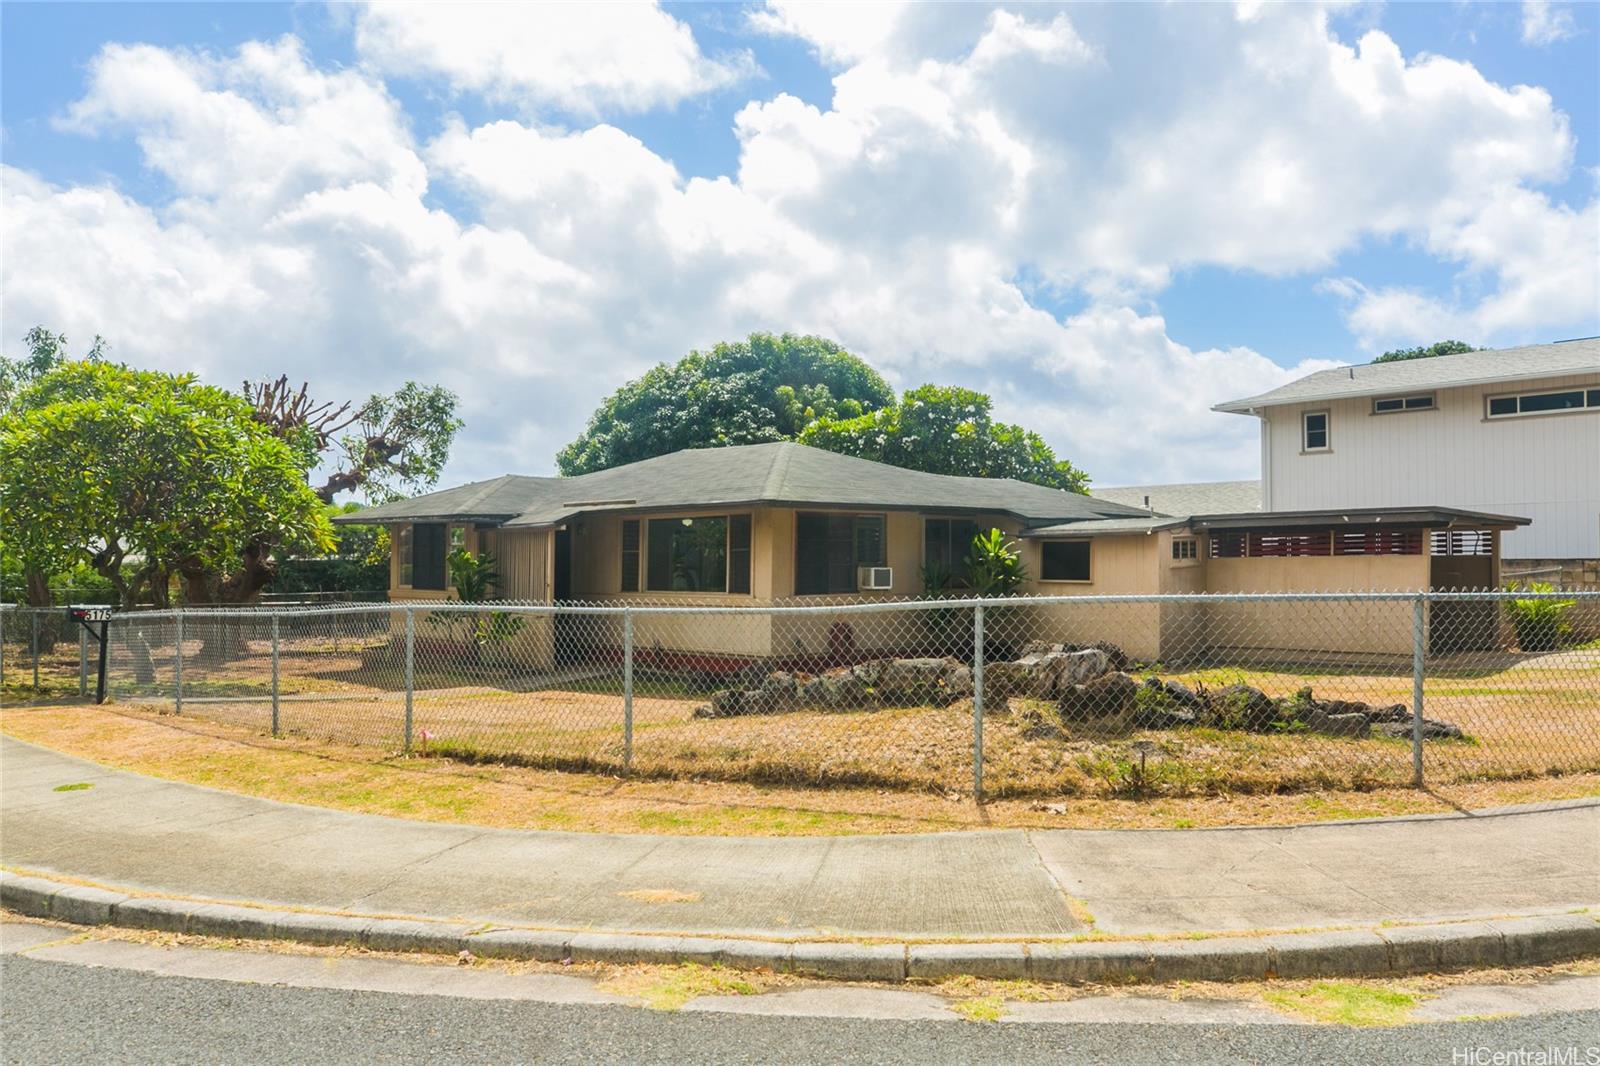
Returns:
(1385,951)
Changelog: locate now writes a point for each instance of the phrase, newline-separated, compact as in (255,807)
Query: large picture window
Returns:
(829,548)
(707,554)
(947,542)
(1064,560)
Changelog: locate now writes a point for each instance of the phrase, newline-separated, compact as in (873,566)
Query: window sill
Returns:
(1066,581)
(1316,451)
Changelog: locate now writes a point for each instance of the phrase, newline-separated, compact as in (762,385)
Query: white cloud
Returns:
(1546,23)
(1530,272)
(583,57)
(840,33)
(962,149)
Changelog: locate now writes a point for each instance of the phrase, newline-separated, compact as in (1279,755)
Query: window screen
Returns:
(739,553)
(630,555)
(829,548)
(427,555)
(1064,560)
(947,542)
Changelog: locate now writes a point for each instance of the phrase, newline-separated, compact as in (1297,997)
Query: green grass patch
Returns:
(1345,1003)
(980,1008)
(670,987)
(76,786)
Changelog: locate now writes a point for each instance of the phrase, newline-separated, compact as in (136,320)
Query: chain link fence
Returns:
(1079,695)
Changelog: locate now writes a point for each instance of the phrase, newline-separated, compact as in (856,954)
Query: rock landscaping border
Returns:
(1075,684)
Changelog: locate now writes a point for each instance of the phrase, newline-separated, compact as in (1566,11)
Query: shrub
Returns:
(1540,624)
(995,565)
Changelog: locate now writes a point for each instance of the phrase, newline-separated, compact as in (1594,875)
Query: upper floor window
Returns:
(1561,401)
(1389,405)
(1314,431)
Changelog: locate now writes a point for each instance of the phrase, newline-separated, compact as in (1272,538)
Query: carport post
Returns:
(83,662)
(177,669)
(275,723)
(1417,609)
(977,703)
(411,667)
(627,689)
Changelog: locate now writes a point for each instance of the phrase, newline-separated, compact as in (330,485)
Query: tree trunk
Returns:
(204,587)
(38,593)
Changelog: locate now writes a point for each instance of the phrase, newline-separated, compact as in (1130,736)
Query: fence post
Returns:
(411,664)
(83,662)
(627,690)
(275,719)
(977,703)
(177,673)
(33,644)
(1417,628)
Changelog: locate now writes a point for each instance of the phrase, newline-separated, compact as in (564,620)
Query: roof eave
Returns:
(1252,404)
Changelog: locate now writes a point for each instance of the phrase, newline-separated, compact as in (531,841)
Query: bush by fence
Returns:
(1088,695)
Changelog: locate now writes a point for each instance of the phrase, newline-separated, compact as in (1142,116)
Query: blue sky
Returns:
(1056,205)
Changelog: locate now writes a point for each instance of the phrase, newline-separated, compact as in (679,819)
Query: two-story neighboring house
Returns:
(1509,431)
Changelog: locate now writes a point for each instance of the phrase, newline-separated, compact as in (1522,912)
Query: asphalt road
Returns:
(61,1013)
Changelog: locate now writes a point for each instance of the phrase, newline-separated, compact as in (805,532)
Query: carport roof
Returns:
(1395,517)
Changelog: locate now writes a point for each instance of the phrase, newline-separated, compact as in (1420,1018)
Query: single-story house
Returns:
(773,524)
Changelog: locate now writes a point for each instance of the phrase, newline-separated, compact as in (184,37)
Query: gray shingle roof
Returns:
(1197,497)
(1439,372)
(779,474)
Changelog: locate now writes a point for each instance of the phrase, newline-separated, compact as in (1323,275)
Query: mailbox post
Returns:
(94,618)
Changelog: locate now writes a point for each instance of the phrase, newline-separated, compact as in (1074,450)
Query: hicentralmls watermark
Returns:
(1526,1056)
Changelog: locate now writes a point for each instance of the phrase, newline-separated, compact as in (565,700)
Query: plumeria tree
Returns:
(947,430)
(147,476)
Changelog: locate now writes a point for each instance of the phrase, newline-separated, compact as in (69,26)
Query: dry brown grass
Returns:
(355,778)
(1525,717)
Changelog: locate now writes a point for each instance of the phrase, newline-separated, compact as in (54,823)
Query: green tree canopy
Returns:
(146,475)
(761,389)
(46,351)
(1426,352)
(946,430)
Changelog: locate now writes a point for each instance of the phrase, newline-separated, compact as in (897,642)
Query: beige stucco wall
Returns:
(1124,564)
(1337,627)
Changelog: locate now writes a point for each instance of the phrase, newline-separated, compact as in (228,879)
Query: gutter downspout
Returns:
(1266,459)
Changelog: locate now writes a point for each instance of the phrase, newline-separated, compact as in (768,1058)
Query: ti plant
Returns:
(994,565)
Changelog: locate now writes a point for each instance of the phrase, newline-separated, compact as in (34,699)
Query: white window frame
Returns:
(1327,432)
(1405,407)
(1178,545)
(1586,407)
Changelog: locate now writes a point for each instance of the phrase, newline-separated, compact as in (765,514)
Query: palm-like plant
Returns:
(994,566)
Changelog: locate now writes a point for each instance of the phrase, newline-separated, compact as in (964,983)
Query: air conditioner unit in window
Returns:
(874,578)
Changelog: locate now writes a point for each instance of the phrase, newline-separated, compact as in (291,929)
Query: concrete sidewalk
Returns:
(145,835)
